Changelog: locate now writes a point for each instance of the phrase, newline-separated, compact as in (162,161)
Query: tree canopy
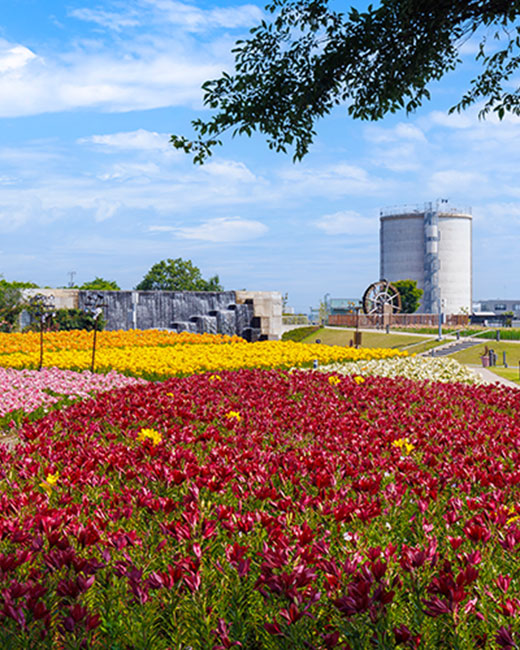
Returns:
(11,303)
(410,295)
(177,275)
(309,58)
(100,284)
(18,284)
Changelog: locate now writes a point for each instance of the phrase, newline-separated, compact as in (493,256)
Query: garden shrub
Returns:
(299,333)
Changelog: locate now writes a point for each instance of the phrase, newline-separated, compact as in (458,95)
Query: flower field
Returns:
(157,354)
(241,504)
(265,509)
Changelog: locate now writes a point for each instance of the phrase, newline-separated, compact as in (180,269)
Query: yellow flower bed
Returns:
(28,342)
(184,357)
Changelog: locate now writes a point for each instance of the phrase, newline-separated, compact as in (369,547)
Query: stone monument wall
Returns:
(253,315)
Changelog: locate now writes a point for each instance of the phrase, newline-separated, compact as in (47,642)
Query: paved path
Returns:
(490,377)
(451,347)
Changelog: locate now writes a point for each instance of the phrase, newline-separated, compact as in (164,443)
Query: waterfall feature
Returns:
(181,311)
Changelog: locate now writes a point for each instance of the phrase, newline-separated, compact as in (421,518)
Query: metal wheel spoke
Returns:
(378,295)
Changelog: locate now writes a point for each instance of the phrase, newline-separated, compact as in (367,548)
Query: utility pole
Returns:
(71,275)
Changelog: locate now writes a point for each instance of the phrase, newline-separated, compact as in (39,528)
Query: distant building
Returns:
(338,306)
(314,315)
(494,310)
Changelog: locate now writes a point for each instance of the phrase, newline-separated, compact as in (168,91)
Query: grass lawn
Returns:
(472,355)
(375,339)
(508,373)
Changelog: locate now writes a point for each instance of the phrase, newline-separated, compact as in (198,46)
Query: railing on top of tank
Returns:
(442,208)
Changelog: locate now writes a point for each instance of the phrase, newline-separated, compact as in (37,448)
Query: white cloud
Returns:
(7,180)
(402,157)
(171,12)
(147,55)
(192,18)
(104,210)
(498,218)
(112,20)
(402,131)
(399,148)
(161,229)
(14,215)
(28,161)
(107,82)
(144,72)
(457,182)
(347,222)
(229,170)
(131,171)
(138,140)
(453,120)
(14,57)
(337,180)
(219,230)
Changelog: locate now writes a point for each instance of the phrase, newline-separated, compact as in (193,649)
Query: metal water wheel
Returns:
(380,297)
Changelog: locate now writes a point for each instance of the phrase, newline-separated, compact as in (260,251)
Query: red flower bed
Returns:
(265,509)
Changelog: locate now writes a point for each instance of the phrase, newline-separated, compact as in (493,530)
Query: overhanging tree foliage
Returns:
(309,58)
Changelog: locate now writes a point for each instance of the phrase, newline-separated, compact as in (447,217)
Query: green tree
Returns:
(309,58)
(410,295)
(99,284)
(177,275)
(11,303)
(20,284)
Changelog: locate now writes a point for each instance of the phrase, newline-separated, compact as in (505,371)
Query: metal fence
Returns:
(374,321)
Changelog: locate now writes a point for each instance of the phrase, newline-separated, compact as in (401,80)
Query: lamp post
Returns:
(93,304)
(41,305)
(440,306)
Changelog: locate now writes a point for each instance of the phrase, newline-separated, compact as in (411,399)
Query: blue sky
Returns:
(89,95)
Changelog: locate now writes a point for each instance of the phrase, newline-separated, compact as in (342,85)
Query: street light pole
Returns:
(440,318)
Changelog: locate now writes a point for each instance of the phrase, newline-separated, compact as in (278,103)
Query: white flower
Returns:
(416,368)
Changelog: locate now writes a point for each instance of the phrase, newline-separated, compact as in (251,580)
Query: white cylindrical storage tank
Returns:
(401,248)
(455,278)
(435,252)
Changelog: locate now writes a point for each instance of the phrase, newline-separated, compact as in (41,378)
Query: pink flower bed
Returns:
(28,390)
